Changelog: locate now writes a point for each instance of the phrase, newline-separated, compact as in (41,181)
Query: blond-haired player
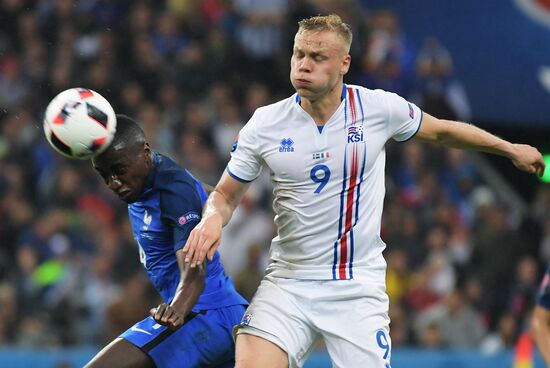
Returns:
(324,147)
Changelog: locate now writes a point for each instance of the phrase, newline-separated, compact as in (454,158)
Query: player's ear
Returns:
(147,154)
(346,62)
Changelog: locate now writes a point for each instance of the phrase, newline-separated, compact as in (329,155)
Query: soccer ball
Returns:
(79,123)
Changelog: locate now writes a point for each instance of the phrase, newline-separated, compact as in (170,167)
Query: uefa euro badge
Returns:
(245,321)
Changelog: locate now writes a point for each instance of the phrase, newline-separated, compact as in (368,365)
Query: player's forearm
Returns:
(543,342)
(466,136)
(189,289)
(219,205)
(541,334)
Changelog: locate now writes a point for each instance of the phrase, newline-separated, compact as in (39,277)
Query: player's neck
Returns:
(322,109)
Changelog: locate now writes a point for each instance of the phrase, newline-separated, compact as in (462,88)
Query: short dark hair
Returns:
(128,134)
(327,23)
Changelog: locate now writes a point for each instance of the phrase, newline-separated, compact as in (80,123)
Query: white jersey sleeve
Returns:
(246,164)
(404,118)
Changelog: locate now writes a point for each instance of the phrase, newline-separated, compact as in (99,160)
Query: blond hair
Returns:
(327,23)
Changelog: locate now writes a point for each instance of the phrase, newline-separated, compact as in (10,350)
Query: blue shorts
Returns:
(204,340)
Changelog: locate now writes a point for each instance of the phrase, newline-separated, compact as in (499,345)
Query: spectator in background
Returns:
(504,337)
(523,290)
(496,247)
(260,34)
(387,60)
(458,323)
(439,92)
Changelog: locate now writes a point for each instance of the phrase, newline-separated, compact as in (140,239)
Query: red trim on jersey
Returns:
(351,96)
(349,213)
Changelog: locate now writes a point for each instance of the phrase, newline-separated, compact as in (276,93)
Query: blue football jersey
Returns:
(162,218)
(543,298)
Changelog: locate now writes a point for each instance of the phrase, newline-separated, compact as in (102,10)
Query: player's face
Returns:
(319,61)
(124,171)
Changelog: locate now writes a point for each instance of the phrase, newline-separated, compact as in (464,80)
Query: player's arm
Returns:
(462,135)
(189,289)
(204,239)
(540,327)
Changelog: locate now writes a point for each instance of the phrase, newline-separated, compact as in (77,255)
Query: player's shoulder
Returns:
(170,175)
(273,110)
(369,94)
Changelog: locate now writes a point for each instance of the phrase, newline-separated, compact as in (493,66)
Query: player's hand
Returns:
(203,240)
(528,159)
(167,316)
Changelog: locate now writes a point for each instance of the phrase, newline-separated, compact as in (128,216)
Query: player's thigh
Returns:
(121,353)
(373,351)
(356,330)
(277,316)
(253,351)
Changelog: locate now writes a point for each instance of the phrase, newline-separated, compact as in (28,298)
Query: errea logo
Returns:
(286,145)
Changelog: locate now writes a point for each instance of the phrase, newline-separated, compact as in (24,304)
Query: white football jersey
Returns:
(328,186)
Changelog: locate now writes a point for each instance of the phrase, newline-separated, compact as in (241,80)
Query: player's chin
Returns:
(304,92)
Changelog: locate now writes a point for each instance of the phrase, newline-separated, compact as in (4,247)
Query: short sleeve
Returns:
(404,117)
(543,297)
(181,208)
(245,164)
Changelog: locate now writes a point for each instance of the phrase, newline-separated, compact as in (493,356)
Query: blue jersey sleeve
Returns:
(181,208)
(543,298)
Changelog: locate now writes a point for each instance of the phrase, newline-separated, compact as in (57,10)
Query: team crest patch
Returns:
(245,321)
(189,216)
(286,145)
(355,134)
(411,111)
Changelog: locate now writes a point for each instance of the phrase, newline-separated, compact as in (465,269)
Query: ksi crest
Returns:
(355,134)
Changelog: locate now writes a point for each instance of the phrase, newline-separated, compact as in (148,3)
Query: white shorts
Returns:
(351,316)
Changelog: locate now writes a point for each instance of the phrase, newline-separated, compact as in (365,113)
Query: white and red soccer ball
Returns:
(79,123)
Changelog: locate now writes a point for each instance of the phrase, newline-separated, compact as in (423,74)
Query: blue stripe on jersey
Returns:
(344,92)
(361,106)
(236,177)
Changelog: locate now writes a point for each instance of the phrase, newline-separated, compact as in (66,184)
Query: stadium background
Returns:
(468,237)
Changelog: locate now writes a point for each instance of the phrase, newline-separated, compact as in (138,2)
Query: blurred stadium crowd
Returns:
(463,267)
